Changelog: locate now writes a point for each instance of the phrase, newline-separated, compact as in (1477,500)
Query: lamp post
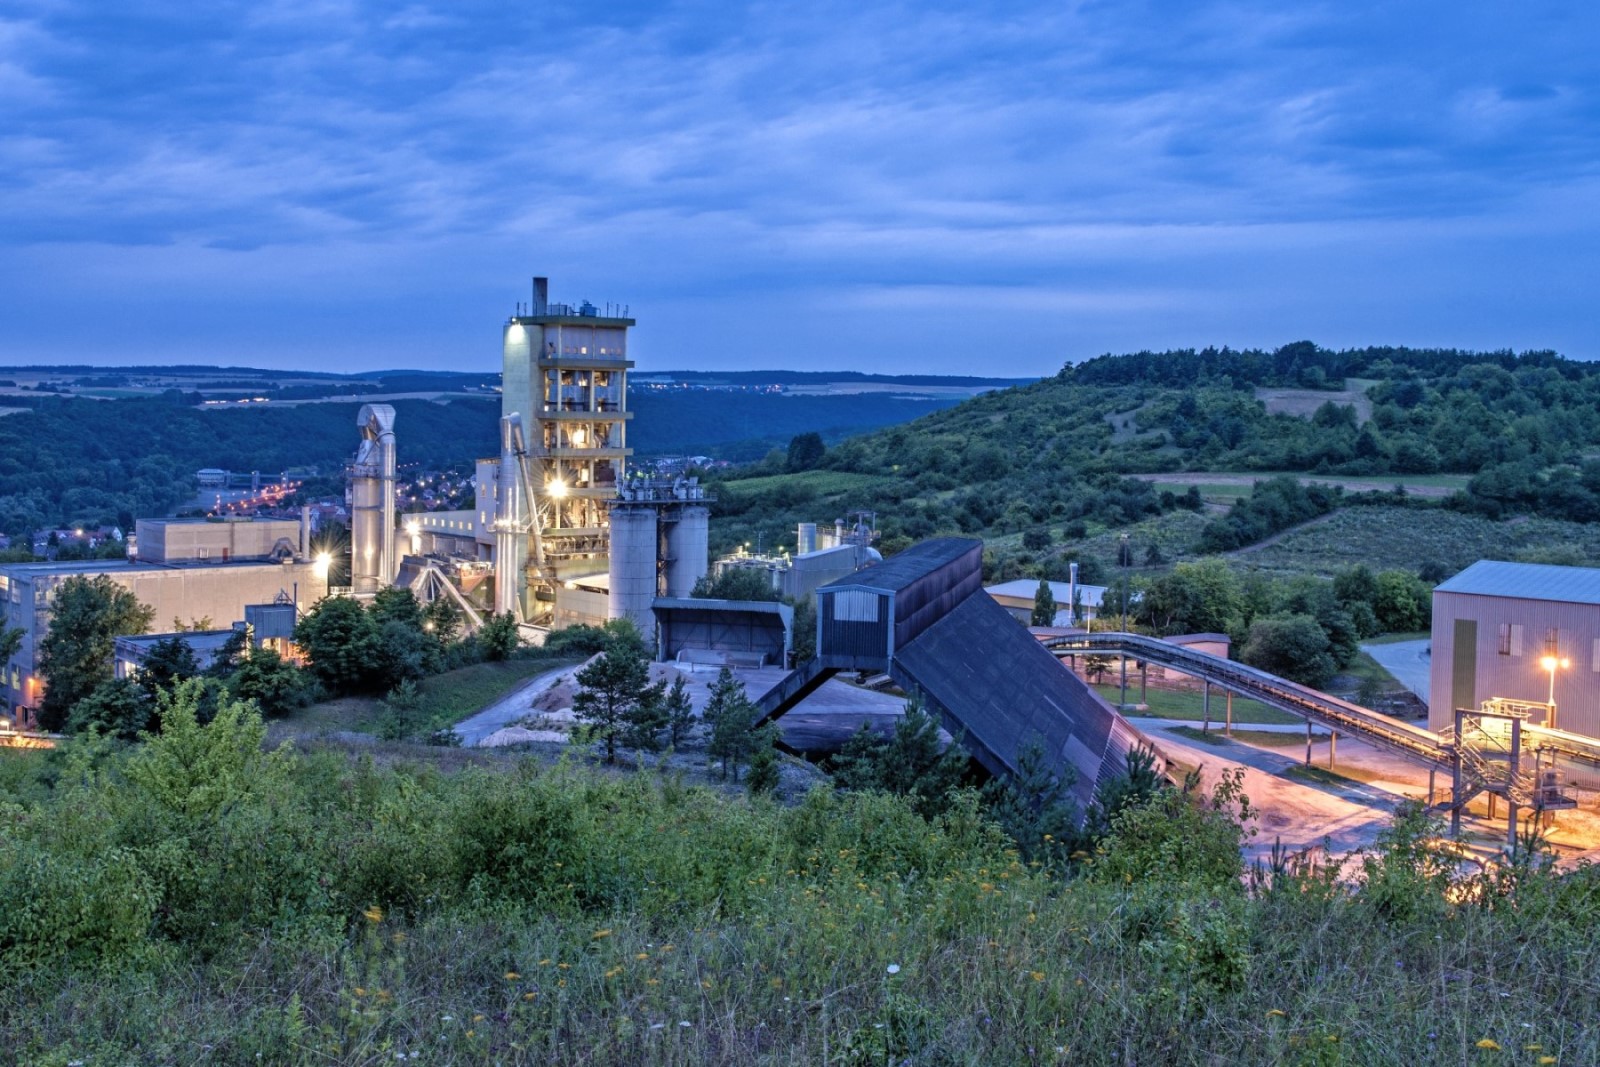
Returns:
(1550,663)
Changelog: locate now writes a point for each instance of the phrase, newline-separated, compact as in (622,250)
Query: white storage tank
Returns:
(807,539)
(633,565)
(688,549)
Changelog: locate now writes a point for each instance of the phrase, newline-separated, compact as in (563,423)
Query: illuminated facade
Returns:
(566,376)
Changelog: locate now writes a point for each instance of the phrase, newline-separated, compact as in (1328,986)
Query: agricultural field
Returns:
(1409,538)
(1229,487)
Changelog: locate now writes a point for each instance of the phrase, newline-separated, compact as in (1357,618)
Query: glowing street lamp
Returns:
(1550,663)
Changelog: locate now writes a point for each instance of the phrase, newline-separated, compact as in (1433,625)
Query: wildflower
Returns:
(399,938)
(1037,976)
(563,966)
(360,992)
(684,1022)
(374,914)
(1547,1059)
(477,1018)
(512,976)
(446,1018)
(1489,1043)
(893,968)
(598,934)
(544,963)
(529,996)
(1275,1013)
(641,955)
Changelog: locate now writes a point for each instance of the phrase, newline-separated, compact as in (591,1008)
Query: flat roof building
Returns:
(1521,631)
(182,595)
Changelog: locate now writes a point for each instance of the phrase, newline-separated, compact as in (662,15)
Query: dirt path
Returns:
(515,705)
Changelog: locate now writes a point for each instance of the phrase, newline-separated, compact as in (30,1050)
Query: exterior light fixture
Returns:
(557,488)
(1551,663)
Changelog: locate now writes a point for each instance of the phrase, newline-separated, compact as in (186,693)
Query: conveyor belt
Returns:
(1353,720)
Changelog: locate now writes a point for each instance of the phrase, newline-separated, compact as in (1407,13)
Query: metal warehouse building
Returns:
(1522,631)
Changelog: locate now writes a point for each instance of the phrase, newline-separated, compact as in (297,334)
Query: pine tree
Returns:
(764,773)
(615,697)
(731,715)
(1035,809)
(679,713)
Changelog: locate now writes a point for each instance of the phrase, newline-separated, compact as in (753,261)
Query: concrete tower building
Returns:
(566,375)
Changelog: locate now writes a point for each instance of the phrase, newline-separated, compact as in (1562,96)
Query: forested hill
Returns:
(1525,427)
(82,461)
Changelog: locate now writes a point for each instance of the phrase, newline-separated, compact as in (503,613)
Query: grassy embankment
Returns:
(446,700)
(313,909)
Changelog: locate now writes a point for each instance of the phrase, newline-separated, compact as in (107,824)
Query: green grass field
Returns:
(823,483)
(1186,705)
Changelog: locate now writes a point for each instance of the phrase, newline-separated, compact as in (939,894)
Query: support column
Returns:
(1308,742)
(1431,772)
(1511,783)
(1124,702)
(1333,746)
(1144,678)
(1229,728)
(1205,705)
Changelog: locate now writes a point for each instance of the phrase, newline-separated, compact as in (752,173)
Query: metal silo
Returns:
(633,564)
(688,549)
(807,539)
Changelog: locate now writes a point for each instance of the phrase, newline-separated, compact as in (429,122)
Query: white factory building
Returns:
(1521,631)
(186,569)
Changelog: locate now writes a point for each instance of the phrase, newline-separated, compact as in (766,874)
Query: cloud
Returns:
(767,151)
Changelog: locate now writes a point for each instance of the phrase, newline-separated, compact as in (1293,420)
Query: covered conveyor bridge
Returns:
(923,618)
(1340,716)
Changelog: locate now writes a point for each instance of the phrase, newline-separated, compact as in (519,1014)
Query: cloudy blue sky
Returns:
(909,187)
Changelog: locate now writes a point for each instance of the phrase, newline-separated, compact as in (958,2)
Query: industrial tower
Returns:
(566,378)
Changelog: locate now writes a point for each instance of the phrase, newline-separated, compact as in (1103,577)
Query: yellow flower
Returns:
(477,1018)
(360,992)
(1489,1043)
(1547,1059)
(544,963)
(512,976)
(598,934)
(374,914)
(563,966)
(1275,1013)
(1037,976)
(641,955)
(529,996)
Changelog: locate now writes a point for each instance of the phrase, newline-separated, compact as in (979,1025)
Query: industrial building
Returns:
(1017,597)
(1525,632)
(191,584)
(821,555)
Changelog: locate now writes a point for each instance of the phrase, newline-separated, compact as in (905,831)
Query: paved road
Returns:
(1409,661)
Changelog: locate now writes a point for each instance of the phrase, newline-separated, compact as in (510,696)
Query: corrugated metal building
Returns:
(1495,623)
(922,617)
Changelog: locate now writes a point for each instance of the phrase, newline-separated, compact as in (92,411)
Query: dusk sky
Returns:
(922,187)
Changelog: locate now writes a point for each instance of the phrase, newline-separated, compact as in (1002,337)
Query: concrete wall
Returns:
(1473,660)
(163,541)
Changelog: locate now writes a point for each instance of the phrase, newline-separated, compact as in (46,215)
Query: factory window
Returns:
(1510,638)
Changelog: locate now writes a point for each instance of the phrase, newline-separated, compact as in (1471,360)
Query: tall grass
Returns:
(313,909)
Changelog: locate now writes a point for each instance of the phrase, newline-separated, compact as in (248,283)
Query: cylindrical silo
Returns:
(633,565)
(366,532)
(688,549)
(807,540)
